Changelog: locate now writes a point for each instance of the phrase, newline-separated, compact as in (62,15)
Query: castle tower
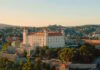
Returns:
(25,36)
(63,34)
(45,30)
(62,31)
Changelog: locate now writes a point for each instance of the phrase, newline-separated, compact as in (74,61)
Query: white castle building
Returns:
(45,38)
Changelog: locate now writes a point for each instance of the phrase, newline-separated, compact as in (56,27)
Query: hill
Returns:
(73,31)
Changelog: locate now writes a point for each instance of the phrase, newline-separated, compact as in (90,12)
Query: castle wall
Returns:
(36,41)
(56,41)
(40,39)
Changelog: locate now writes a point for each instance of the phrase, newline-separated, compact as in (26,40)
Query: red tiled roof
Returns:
(49,33)
(92,42)
(63,66)
(54,34)
(37,33)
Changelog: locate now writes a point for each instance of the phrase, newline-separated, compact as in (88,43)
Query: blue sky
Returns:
(49,12)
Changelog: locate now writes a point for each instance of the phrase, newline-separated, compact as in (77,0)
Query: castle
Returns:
(44,38)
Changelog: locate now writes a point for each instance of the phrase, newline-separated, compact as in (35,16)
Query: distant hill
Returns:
(52,26)
(2,26)
(74,31)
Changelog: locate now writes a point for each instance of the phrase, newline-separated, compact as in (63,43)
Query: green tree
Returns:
(5,46)
(27,65)
(20,65)
(5,64)
(67,54)
(48,53)
(36,51)
(37,64)
(86,52)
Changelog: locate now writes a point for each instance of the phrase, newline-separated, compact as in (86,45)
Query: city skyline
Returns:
(49,12)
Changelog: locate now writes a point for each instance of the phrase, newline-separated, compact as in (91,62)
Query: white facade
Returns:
(96,35)
(55,41)
(45,38)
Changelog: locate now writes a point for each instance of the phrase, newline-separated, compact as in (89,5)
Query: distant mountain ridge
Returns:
(74,31)
(2,26)
(7,25)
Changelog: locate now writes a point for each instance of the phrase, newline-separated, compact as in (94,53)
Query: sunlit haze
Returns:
(49,12)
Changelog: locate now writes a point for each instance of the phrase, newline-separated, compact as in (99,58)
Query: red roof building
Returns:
(45,38)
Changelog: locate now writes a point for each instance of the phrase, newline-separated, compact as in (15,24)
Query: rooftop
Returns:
(92,42)
(49,33)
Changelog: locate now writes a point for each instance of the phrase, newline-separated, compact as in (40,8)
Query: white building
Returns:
(45,38)
(96,35)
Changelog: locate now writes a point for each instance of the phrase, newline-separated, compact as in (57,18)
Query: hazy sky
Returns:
(49,12)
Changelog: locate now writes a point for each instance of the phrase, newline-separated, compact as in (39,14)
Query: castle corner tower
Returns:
(25,36)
